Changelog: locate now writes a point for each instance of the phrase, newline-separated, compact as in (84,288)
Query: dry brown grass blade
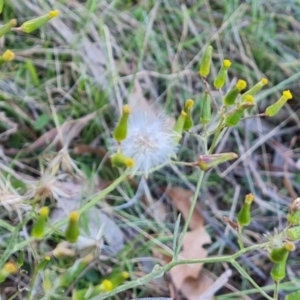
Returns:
(69,130)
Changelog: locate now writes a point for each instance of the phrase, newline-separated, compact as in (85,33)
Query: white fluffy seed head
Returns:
(150,140)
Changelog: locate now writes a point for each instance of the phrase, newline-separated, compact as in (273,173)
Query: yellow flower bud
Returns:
(117,278)
(40,223)
(279,254)
(208,161)
(244,215)
(7,27)
(206,109)
(221,77)
(256,88)
(273,109)
(8,269)
(249,198)
(189,103)
(36,23)
(231,96)
(241,84)
(125,275)
(8,55)
(287,94)
(178,127)
(233,117)
(120,131)
(107,285)
(206,62)
(129,162)
(72,232)
(188,123)
(119,160)
(53,13)
(249,99)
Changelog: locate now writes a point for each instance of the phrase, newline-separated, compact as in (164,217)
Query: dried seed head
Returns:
(150,141)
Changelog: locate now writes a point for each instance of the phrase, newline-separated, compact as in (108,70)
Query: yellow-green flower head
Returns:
(249,99)
(36,23)
(287,94)
(249,198)
(189,104)
(241,84)
(273,109)
(107,285)
(149,142)
(53,13)
(10,268)
(226,63)
(8,55)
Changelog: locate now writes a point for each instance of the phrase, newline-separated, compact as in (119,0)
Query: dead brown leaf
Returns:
(193,288)
(188,278)
(182,200)
(192,249)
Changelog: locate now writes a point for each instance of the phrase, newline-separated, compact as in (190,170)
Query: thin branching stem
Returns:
(240,237)
(192,207)
(159,271)
(276,290)
(217,132)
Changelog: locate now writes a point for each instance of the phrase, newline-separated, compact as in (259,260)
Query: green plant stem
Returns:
(217,132)
(33,279)
(276,290)
(240,237)
(159,271)
(6,226)
(191,211)
(192,207)
(248,277)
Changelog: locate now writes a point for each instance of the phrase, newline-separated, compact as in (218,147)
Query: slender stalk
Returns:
(6,226)
(248,277)
(217,132)
(193,204)
(159,271)
(276,290)
(240,237)
(191,211)
(32,283)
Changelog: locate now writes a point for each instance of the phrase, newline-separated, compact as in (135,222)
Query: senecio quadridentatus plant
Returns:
(145,141)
